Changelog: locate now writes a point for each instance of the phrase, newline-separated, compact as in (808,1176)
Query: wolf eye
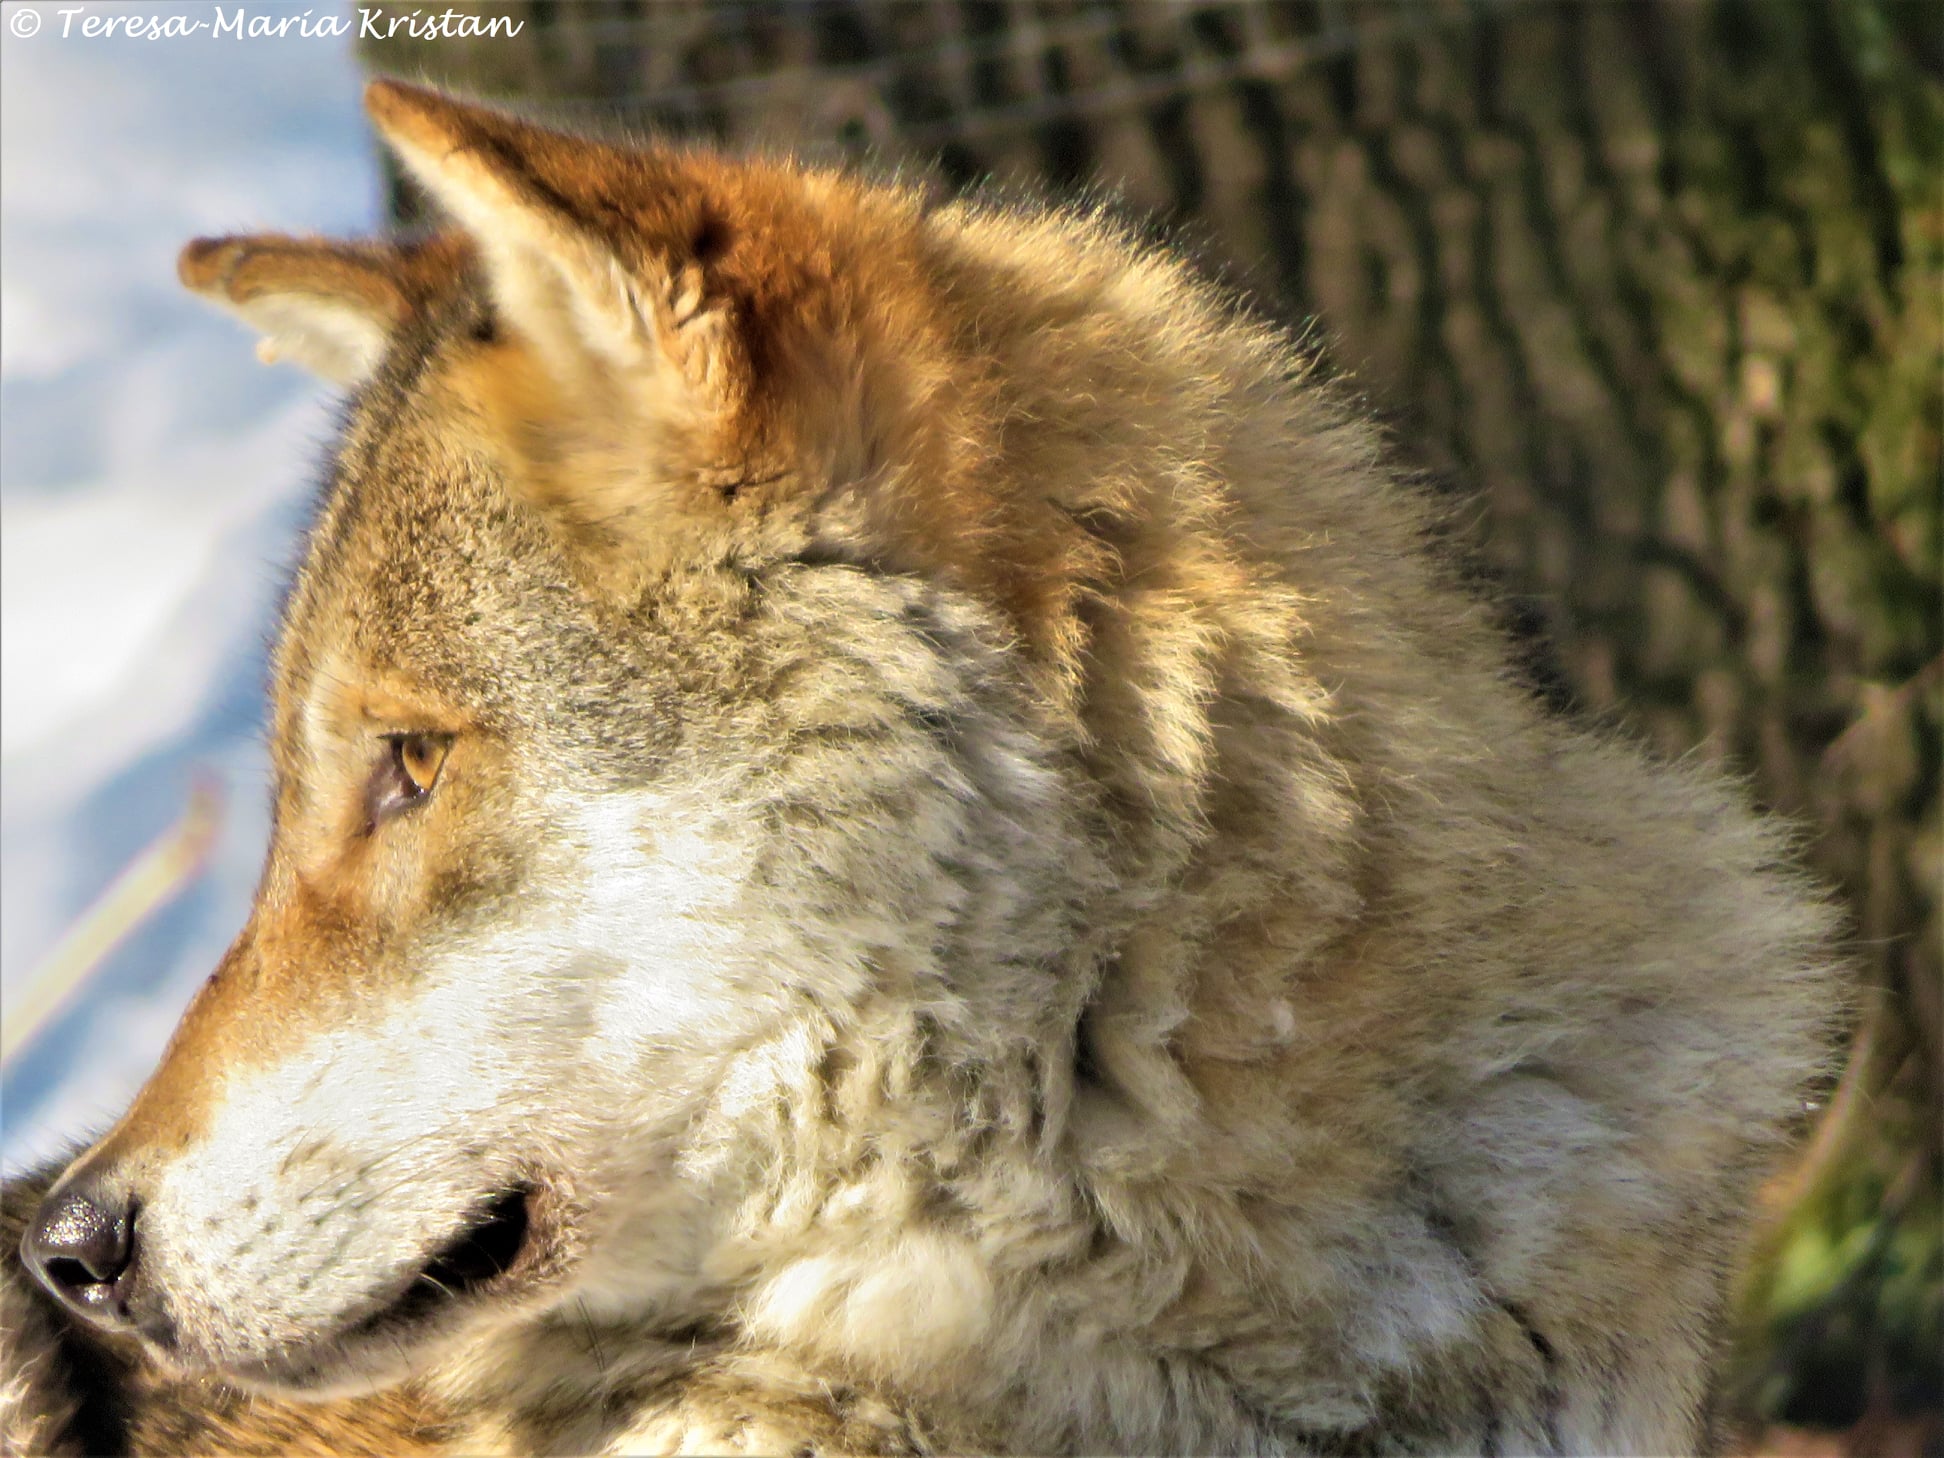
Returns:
(419,756)
(406,775)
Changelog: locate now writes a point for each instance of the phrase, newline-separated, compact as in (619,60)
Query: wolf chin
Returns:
(888,839)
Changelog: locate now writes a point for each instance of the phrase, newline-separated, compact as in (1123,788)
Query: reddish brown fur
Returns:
(388,281)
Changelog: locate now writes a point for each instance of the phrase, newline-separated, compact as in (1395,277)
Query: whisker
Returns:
(593,1337)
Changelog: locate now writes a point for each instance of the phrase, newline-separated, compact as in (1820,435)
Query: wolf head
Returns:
(672,714)
(757,629)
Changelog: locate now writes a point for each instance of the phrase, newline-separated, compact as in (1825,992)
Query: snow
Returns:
(154,480)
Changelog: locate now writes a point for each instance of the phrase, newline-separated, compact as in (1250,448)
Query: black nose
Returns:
(82,1247)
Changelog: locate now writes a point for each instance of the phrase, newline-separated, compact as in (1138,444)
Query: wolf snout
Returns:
(82,1246)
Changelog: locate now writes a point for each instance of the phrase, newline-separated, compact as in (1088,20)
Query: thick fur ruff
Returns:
(905,784)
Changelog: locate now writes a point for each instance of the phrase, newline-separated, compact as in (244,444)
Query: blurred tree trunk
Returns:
(1658,282)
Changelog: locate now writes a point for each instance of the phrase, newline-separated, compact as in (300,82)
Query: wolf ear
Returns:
(623,395)
(329,306)
(594,255)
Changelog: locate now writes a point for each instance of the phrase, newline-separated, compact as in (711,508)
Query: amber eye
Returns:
(419,756)
(405,776)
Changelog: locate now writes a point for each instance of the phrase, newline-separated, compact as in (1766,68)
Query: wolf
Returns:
(890,837)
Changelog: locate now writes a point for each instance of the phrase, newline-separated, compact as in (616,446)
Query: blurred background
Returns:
(1655,291)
